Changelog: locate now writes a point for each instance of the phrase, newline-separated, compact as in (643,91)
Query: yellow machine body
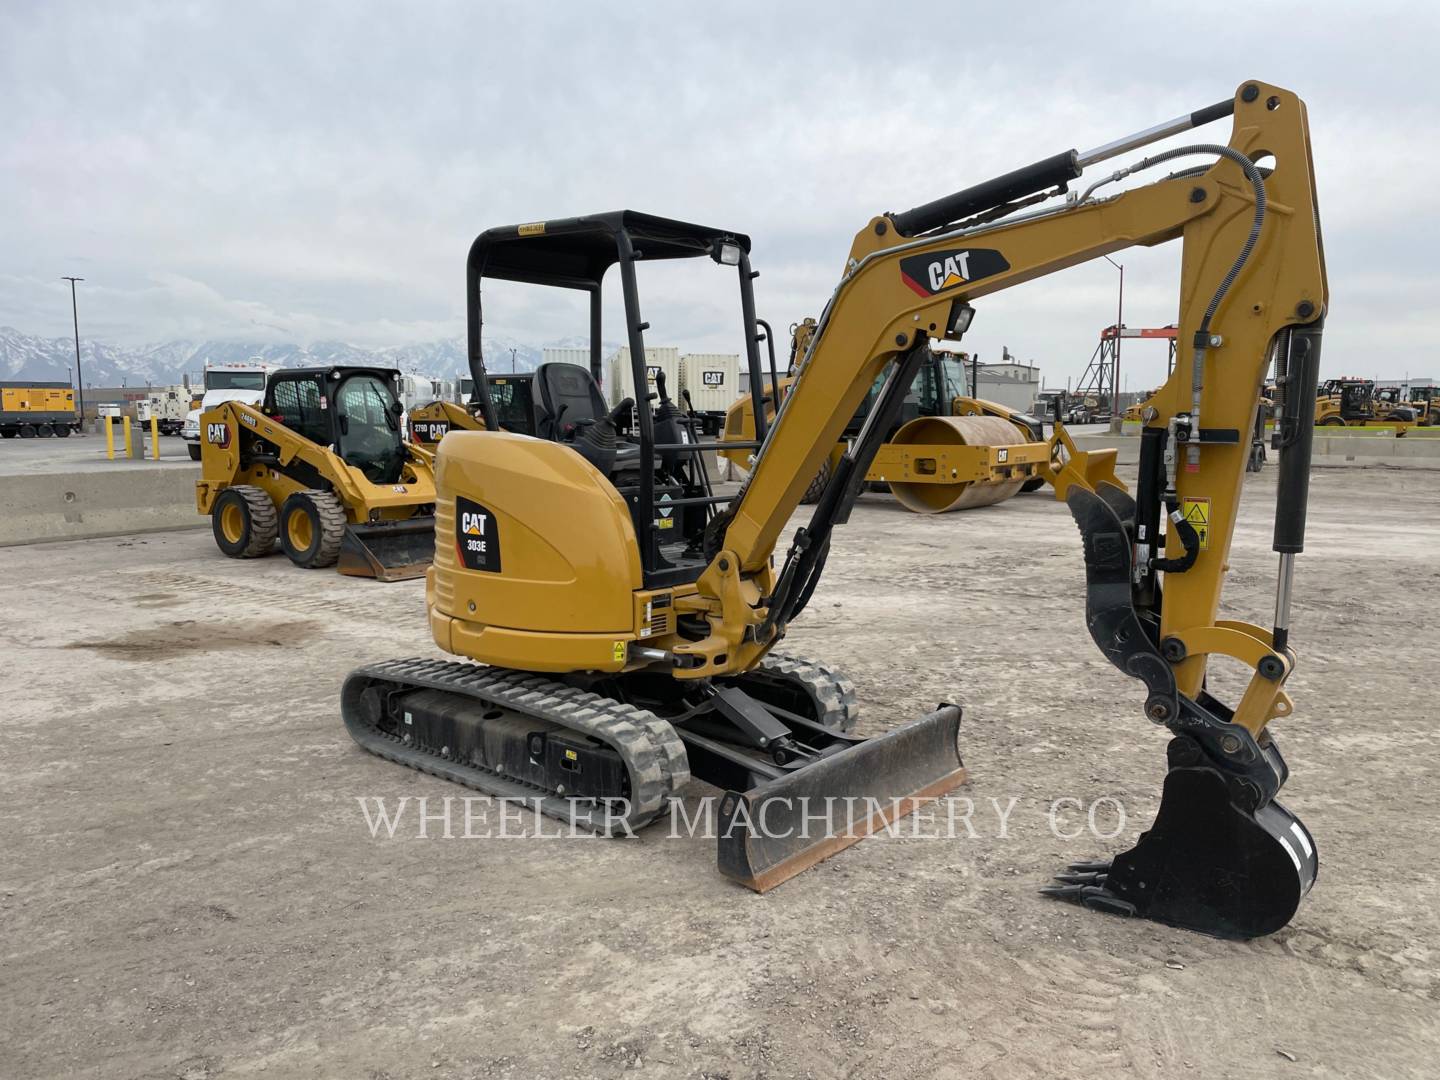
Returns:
(565,590)
(432,422)
(980,454)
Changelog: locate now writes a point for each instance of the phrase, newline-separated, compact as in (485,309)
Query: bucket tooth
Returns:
(774,831)
(388,550)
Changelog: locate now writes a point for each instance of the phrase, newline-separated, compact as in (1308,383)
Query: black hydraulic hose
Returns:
(1257,184)
(1201,340)
(1189,539)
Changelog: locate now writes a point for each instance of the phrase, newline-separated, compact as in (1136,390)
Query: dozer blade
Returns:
(770,833)
(388,550)
(1207,863)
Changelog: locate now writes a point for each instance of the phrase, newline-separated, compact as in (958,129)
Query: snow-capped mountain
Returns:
(25,356)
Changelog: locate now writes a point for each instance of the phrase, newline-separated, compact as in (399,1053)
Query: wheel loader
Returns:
(322,467)
(1350,402)
(619,657)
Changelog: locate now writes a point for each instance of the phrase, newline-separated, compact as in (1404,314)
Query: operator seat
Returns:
(569,397)
(570,401)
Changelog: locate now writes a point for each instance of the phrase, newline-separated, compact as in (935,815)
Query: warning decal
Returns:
(1197,513)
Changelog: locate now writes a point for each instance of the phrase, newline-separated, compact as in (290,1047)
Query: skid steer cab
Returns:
(322,467)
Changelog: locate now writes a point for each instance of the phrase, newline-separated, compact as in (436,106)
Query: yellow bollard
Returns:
(109,438)
(154,439)
(129,450)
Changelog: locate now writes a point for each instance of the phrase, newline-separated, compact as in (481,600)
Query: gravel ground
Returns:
(189,889)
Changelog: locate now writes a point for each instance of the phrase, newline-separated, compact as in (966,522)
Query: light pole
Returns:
(1115,411)
(512,361)
(75,318)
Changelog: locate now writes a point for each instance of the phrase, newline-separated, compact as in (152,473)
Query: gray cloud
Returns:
(286,173)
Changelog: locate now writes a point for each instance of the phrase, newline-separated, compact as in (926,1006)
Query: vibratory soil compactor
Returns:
(944,450)
(321,465)
(626,618)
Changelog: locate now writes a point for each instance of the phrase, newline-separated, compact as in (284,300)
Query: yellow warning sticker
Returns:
(1197,513)
(617,652)
(535,228)
(571,755)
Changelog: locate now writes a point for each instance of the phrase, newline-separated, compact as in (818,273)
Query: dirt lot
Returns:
(189,889)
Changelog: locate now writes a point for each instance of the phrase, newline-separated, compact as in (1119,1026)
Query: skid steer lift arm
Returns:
(1223,856)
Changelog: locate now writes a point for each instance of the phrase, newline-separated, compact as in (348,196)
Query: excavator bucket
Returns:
(1210,862)
(774,831)
(388,550)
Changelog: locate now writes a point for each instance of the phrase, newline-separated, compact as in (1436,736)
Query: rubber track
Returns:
(651,750)
(831,691)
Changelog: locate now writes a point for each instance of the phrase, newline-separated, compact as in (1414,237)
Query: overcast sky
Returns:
(285,172)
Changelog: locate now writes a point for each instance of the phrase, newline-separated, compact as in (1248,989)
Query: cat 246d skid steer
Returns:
(621,655)
(321,465)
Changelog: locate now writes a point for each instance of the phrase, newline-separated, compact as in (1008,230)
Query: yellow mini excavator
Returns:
(626,622)
(323,467)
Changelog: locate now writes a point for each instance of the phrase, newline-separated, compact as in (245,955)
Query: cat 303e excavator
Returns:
(621,656)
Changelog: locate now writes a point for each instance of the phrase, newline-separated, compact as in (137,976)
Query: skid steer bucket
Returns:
(388,550)
(774,831)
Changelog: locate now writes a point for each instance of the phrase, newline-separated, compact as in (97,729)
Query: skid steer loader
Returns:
(621,655)
(320,465)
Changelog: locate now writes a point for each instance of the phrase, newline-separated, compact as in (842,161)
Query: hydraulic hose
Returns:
(1202,334)
(1189,539)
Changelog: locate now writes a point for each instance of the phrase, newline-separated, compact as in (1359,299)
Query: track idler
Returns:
(1213,861)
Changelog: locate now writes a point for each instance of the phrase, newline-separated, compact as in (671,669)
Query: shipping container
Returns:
(37,409)
(619,382)
(713,379)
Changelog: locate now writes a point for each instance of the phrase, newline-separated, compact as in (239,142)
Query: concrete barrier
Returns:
(1330,450)
(103,502)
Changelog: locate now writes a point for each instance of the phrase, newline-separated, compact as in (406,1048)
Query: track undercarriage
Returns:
(607,754)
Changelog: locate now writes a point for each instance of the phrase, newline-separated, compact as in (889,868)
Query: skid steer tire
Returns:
(1332,421)
(817,486)
(312,526)
(243,521)
(194,449)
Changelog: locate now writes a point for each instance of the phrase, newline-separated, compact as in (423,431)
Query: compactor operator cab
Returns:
(355,410)
(649,450)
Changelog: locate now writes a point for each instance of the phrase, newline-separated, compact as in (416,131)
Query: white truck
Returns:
(227,382)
